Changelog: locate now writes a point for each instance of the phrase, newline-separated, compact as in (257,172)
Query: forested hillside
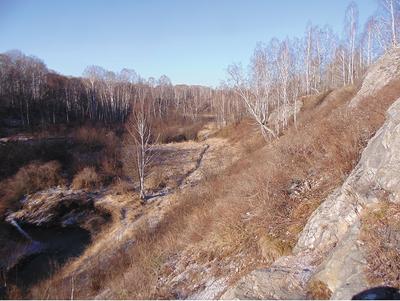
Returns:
(279,183)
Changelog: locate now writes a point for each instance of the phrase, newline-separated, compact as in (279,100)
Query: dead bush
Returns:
(87,178)
(380,232)
(157,180)
(176,129)
(318,290)
(13,292)
(121,187)
(89,135)
(97,138)
(15,155)
(30,178)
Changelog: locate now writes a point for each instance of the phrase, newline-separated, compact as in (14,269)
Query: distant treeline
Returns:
(279,72)
(35,95)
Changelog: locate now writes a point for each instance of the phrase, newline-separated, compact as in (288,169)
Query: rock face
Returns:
(328,249)
(379,75)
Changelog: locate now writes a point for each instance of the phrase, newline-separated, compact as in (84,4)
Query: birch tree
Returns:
(255,89)
(142,149)
(390,19)
(351,23)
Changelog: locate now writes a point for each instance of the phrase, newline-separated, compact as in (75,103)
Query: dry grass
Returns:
(318,290)
(176,129)
(381,234)
(245,210)
(121,187)
(103,147)
(90,136)
(87,178)
(157,180)
(30,178)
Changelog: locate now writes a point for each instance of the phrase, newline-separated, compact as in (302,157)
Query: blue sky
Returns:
(191,41)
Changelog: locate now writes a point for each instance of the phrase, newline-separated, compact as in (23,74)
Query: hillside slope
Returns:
(247,215)
(329,255)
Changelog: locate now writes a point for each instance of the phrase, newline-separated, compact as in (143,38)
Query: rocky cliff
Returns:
(329,251)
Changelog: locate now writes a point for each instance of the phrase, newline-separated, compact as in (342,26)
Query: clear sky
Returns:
(191,41)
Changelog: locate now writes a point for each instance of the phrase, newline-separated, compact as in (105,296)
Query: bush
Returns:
(87,178)
(36,176)
(318,290)
(30,178)
(121,187)
(15,155)
(89,135)
(380,233)
(103,147)
(156,181)
(95,136)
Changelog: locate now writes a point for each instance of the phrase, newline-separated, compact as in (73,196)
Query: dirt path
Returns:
(186,179)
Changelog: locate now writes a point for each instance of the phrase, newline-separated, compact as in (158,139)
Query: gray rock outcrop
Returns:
(379,75)
(328,249)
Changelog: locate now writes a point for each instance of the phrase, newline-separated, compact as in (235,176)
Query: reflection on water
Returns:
(57,244)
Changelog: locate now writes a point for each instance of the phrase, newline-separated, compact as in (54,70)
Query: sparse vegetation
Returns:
(30,178)
(246,210)
(203,185)
(318,290)
(380,234)
(87,178)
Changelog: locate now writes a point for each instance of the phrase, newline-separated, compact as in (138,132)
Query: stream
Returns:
(53,247)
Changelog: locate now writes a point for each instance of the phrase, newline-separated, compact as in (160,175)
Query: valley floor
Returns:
(234,216)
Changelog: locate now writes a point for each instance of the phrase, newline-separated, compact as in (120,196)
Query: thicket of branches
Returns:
(279,72)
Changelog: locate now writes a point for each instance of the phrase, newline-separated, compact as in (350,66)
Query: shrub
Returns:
(156,181)
(30,178)
(96,138)
(380,233)
(121,187)
(38,176)
(87,178)
(318,290)
(89,135)
(15,155)
(104,148)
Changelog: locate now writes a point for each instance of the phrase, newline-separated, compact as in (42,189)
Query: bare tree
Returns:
(139,130)
(351,25)
(390,18)
(255,97)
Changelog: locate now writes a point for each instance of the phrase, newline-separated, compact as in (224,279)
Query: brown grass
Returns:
(104,147)
(87,178)
(176,129)
(318,290)
(381,235)
(90,135)
(30,178)
(157,180)
(245,210)
(121,187)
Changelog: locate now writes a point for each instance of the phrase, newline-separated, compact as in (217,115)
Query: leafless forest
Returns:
(278,73)
(114,186)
